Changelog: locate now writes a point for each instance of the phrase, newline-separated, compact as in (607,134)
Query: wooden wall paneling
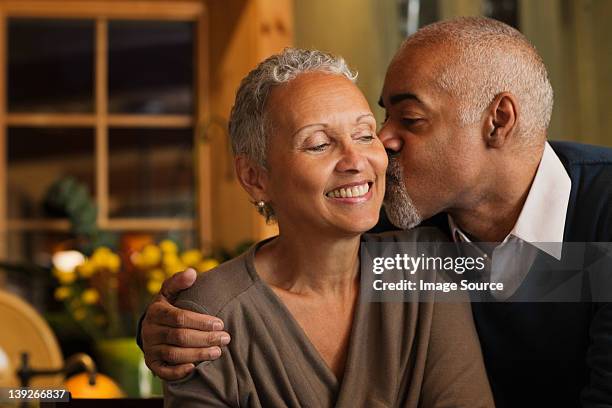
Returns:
(243,32)
(146,121)
(51,119)
(232,54)
(101,95)
(586,67)
(275,32)
(105,9)
(3,144)
(202,144)
(91,120)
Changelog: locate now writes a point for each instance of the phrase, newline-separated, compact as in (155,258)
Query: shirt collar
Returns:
(542,219)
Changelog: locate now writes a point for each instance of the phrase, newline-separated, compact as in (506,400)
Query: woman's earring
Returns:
(261,204)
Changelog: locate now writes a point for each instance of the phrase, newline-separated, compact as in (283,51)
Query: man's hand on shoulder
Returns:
(173,339)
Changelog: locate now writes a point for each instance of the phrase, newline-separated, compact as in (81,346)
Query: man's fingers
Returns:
(165,314)
(192,338)
(178,282)
(170,373)
(170,355)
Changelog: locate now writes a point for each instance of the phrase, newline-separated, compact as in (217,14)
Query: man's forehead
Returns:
(406,88)
(410,78)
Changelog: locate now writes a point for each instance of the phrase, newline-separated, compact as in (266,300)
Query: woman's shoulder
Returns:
(417,234)
(215,289)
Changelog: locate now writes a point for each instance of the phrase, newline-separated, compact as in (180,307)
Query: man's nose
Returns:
(392,142)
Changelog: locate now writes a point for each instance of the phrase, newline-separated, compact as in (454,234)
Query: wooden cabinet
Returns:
(131,98)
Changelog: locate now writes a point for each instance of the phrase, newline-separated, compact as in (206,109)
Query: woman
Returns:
(307,153)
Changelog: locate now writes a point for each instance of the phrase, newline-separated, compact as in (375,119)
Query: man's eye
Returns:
(318,148)
(410,121)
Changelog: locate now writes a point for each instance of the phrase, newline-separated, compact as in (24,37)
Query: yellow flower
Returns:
(175,268)
(90,296)
(113,263)
(80,313)
(168,246)
(104,258)
(86,270)
(207,264)
(100,257)
(191,257)
(170,258)
(157,274)
(64,277)
(153,286)
(172,264)
(150,256)
(62,293)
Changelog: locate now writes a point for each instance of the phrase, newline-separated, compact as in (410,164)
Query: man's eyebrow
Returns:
(397,98)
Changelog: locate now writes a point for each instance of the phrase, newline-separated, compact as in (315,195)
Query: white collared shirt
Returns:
(541,224)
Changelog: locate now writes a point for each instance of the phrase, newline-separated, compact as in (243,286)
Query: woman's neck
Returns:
(307,265)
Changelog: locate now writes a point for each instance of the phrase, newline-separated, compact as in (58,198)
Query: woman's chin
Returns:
(357,227)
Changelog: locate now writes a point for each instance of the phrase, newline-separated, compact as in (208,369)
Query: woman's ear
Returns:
(253,177)
(501,120)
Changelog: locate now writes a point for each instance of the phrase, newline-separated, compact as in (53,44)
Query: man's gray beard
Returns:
(398,205)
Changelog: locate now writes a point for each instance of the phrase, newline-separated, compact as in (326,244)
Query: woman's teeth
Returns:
(355,191)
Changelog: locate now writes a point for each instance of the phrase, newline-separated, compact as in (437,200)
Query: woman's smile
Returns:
(351,193)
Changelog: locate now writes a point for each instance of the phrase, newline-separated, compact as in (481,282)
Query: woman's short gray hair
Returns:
(248,126)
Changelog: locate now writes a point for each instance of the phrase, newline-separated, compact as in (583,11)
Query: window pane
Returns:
(50,65)
(37,158)
(151,173)
(150,67)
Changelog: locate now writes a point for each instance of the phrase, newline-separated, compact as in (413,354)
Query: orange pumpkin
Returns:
(79,387)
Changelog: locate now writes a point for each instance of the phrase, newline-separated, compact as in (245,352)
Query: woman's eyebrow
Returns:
(307,126)
(324,125)
(365,115)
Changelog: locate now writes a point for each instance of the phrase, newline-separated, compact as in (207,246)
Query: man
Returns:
(468,102)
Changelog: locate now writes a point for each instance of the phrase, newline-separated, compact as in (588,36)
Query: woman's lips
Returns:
(351,194)
(358,190)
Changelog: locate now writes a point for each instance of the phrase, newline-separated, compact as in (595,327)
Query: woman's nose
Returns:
(392,142)
(352,160)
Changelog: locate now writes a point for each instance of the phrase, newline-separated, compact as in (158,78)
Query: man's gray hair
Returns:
(487,58)
(248,127)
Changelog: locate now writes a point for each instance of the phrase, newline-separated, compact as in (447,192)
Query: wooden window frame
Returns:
(101,12)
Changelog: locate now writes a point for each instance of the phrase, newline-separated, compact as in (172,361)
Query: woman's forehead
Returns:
(315,96)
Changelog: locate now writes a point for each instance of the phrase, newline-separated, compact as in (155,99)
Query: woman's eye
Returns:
(366,138)
(318,148)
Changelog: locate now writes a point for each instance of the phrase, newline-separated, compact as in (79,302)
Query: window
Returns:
(110,94)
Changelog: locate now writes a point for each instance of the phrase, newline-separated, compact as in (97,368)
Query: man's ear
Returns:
(253,177)
(501,120)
